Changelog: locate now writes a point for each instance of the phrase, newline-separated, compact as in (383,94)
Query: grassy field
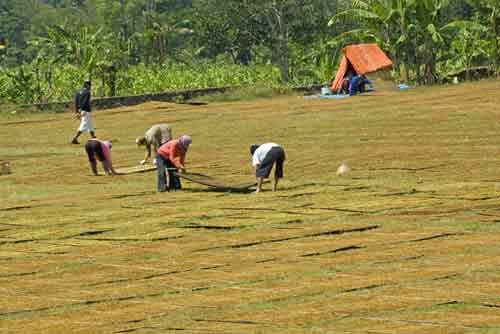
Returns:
(408,242)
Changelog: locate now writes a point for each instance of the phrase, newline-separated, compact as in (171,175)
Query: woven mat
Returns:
(211,182)
(193,177)
(135,169)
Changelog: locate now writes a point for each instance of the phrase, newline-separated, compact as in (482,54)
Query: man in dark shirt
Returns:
(82,111)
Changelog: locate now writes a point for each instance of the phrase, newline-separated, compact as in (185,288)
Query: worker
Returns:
(263,158)
(358,84)
(363,82)
(101,150)
(82,111)
(171,157)
(157,135)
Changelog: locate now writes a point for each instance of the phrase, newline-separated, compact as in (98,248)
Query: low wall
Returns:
(117,101)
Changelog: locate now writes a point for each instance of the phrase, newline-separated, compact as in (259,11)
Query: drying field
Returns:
(408,242)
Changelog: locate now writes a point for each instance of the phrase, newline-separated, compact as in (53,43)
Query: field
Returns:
(407,242)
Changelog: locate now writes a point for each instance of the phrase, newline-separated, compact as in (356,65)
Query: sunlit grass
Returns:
(407,242)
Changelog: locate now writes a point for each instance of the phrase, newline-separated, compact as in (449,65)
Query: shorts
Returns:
(85,121)
(275,155)
(94,149)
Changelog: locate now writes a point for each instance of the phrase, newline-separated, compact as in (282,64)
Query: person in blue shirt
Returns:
(358,84)
(362,84)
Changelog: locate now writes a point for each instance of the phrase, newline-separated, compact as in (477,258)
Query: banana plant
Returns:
(428,15)
(468,46)
(490,9)
(386,22)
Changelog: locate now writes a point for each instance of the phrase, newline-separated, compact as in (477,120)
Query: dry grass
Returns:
(407,242)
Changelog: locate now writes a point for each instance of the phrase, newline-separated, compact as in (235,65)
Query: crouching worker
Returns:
(171,157)
(157,135)
(102,151)
(263,158)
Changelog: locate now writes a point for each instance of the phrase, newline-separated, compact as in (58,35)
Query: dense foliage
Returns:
(47,47)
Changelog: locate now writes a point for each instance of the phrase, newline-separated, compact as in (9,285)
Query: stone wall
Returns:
(117,101)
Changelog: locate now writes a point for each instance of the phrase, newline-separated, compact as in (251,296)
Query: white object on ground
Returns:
(343,169)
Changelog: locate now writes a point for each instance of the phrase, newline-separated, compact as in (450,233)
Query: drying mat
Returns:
(211,182)
(135,169)
(193,177)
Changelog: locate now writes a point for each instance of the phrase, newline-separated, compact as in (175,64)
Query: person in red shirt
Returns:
(170,157)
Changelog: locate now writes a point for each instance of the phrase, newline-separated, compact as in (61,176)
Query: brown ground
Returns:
(408,242)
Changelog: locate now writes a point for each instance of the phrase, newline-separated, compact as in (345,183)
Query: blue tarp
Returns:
(333,96)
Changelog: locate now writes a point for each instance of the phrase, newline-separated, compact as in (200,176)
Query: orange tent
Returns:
(363,59)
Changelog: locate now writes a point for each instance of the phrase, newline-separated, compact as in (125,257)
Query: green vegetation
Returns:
(48,47)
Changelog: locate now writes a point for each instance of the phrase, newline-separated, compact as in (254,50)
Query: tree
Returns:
(411,30)
(490,11)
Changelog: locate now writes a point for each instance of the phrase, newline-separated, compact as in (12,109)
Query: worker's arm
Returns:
(108,168)
(107,164)
(255,160)
(93,167)
(77,105)
(177,159)
(148,153)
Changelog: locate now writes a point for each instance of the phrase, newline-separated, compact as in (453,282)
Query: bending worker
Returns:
(263,158)
(358,84)
(171,157)
(157,135)
(102,151)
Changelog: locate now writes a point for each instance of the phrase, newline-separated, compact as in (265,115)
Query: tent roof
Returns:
(364,58)
(367,58)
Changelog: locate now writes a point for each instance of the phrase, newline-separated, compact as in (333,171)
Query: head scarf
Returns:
(185,141)
(108,143)
(253,148)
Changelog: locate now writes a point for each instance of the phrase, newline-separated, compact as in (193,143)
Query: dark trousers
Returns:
(276,155)
(165,165)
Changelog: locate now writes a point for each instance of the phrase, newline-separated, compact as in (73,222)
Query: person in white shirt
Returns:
(264,157)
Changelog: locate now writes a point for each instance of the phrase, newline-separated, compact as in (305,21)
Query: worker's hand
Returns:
(183,170)
(142,162)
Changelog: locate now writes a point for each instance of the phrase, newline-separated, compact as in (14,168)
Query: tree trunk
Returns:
(284,57)
(281,51)
(495,44)
(124,20)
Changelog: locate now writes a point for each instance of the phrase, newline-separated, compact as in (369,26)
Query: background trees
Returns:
(53,44)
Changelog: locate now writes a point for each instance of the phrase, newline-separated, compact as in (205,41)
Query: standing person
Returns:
(157,135)
(82,111)
(101,150)
(263,158)
(171,157)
